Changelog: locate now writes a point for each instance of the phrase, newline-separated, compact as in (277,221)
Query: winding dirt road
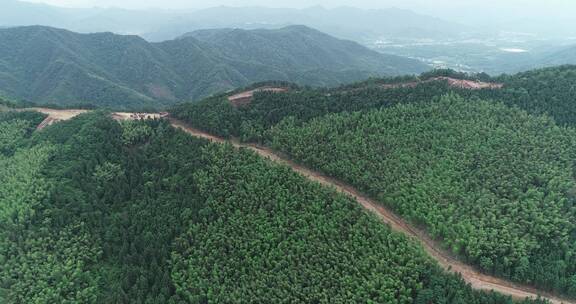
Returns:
(476,279)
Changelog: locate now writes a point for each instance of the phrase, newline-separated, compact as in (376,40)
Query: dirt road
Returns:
(56,115)
(445,259)
(453,82)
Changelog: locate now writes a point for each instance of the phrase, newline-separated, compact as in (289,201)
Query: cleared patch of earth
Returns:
(244,98)
(453,82)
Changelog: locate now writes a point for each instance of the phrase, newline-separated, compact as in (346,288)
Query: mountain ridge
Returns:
(50,65)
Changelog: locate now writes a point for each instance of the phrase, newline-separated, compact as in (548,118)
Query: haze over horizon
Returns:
(472,36)
(517,15)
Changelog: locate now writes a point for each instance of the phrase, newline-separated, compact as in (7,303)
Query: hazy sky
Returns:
(532,5)
(457,10)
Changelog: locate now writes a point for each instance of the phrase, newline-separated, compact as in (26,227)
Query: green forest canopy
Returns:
(494,183)
(141,213)
(549,91)
(493,179)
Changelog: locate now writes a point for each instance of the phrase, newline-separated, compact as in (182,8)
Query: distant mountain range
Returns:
(350,23)
(54,66)
(360,25)
(300,48)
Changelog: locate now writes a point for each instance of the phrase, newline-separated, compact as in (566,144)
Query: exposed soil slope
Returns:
(453,82)
(244,98)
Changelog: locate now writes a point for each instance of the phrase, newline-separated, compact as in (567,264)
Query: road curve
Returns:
(446,260)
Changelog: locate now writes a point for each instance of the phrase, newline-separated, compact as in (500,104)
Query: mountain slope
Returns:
(85,20)
(96,211)
(303,48)
(48,65)
(457,166)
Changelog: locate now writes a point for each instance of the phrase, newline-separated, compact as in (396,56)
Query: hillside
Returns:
(479,175)
(53,66)
(544,91)
(458,168)
(47,65)
(96,211)
(305,49)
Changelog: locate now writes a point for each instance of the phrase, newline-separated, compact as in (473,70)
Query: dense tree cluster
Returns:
(549,91)
(92,211)
(218,116)
(494,183)
(14,126)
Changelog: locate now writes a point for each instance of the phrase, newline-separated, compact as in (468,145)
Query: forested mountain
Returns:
(547,91)
(461,169)
(47,65)
(93,211)
(303,48)
(489,172)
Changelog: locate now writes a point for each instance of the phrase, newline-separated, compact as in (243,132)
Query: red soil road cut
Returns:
(453,82)
(476,279)
(244,98)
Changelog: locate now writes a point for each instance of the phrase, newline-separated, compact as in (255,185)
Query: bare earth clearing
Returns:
(55,115)
(476,279)
(59,115)
(453,82)
(244,98)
